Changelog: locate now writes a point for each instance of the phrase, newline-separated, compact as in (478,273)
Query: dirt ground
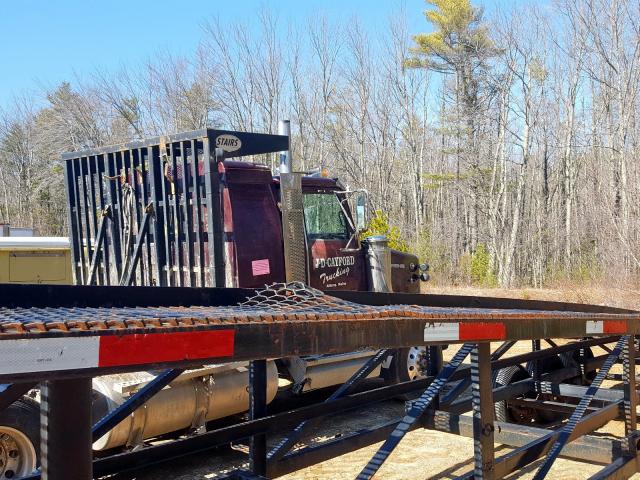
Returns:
(423,454)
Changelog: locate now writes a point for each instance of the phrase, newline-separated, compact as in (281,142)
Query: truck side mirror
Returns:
(361,211)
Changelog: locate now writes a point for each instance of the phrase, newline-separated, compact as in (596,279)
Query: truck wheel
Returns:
(511,413)
(407,364)
(19,438)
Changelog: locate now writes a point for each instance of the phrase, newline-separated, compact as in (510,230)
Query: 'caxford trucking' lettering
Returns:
(340,272)
(332,262)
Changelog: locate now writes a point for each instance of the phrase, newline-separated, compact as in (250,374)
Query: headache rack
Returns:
(148,212)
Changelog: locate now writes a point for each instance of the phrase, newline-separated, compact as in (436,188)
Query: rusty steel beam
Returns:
(589,448)
(538,447)
(566,431)
(620,469)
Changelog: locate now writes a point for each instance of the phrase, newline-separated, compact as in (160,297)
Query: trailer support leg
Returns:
(537,364)
(65,429)
(482,394)
(258,409)
(434,366)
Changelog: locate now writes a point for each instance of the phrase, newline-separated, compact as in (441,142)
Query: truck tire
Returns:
(407,364)
(548,365)
(19,438)
(503,412)
(571,359)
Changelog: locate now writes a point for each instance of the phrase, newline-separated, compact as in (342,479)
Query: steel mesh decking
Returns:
(278,303)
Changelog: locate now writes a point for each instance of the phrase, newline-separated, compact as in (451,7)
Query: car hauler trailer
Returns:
(62,336)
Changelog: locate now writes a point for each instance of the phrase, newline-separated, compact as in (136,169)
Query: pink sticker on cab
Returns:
(260,267)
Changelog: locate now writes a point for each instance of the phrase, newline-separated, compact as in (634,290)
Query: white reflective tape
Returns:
(48,354)
(435,332)
(596,326)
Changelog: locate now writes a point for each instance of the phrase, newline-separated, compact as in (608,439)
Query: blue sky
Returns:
(44,42)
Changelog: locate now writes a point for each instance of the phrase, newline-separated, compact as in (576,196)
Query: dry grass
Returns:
(622,297)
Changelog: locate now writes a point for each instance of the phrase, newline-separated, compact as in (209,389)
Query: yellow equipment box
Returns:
(35,260)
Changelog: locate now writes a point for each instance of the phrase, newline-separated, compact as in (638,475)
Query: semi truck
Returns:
(203,209)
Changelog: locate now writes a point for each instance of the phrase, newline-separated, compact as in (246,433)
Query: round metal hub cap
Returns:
(417,362)
(17,454)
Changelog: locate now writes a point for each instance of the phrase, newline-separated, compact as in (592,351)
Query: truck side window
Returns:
(323,217)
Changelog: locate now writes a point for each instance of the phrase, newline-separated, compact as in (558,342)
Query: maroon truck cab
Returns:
(178,210)
(254,245)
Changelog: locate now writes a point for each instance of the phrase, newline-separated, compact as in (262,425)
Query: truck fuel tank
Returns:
(195,397)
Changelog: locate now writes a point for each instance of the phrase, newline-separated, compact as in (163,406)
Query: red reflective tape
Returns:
(482,331)
(138,349)
(614,326)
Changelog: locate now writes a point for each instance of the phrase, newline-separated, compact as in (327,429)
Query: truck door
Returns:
(253,230)
(331,266)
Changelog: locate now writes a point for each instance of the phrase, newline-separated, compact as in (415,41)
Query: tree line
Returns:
(502,147)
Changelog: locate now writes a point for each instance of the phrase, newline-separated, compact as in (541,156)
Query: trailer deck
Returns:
(62,336)
(277,322)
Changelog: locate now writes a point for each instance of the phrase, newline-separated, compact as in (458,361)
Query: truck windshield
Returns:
(323,217)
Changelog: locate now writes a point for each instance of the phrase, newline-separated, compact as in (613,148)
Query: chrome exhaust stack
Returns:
(378,257)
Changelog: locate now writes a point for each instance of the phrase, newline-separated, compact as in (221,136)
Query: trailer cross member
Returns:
(417,409)
(568,429)
(281,449)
